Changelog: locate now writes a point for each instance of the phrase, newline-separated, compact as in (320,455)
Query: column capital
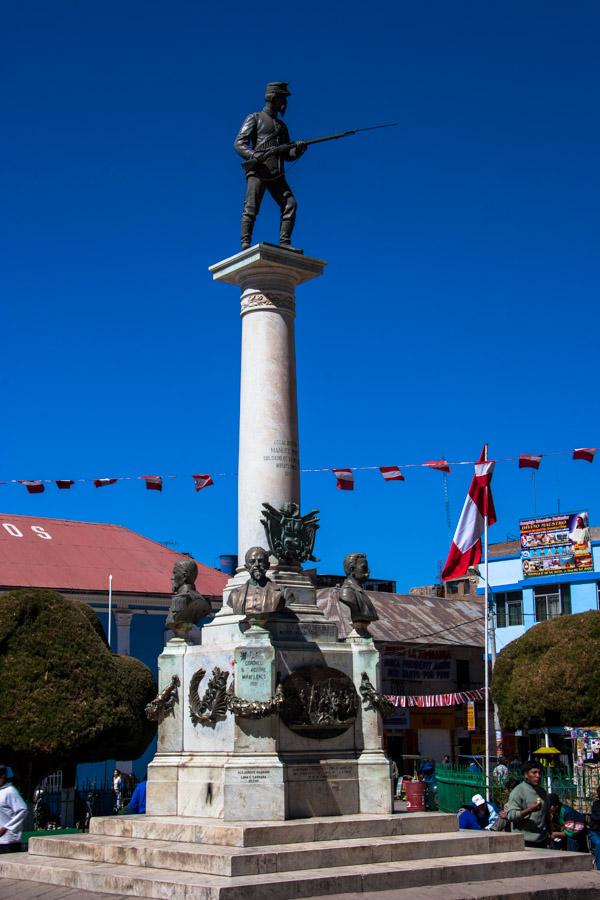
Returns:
(267,265)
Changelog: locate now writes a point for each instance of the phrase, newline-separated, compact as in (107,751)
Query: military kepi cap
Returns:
(278,87)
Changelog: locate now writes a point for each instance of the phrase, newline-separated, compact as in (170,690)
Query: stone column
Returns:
(269,460)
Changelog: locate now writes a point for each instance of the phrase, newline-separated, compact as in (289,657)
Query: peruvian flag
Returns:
(153,482)
(529,461)
(466,546)
(391,473)
(345,479)
(103,482)
(586,453)
(202,481)
(440,464)
(64,484)
(33,487)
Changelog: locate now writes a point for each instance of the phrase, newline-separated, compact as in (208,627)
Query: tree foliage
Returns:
(65,697)
(551,675)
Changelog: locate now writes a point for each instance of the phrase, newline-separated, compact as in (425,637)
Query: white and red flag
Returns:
(64,484)
(202,481)
(466,548)
(345,479)
(440,464)
(586,453)
(103,482)
(391,473)
(529,461)
(153,482)
(33,487)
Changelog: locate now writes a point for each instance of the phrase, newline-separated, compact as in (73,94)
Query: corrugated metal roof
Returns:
(413,618)
(63,554)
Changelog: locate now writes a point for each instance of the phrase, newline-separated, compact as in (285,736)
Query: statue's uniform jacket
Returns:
(361,607)
(261,131)
(255,600)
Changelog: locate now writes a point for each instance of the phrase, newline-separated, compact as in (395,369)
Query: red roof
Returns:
(60,553)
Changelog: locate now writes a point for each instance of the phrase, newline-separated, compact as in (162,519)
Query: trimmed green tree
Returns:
(66,699)
(551,675)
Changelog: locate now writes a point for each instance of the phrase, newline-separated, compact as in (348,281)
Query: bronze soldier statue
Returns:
(257,142)
(352,594)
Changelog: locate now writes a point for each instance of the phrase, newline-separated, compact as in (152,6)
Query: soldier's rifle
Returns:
(262,155)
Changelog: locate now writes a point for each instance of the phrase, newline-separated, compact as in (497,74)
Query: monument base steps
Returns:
(161,858)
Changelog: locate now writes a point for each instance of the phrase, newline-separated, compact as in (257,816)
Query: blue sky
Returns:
(460,300)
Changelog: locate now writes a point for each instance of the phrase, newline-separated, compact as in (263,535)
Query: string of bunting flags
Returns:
(429,701)
(344,477)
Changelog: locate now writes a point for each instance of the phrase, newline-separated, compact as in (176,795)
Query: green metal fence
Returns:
(456,785)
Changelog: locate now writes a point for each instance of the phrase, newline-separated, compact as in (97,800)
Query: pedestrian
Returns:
(527,807)
(118,789)
(446,760)
(566,826)
(13,812)
(395,776)
(594,833)
(500,772)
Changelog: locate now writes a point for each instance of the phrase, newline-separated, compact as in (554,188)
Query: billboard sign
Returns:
(556,545)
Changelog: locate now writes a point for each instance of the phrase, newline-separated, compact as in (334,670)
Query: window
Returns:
(453,587)
(509,608)
(462,673)
(552,601)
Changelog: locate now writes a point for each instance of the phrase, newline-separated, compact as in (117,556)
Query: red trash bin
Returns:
(415,796)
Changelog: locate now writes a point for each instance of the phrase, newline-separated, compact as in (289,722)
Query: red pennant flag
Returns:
(64,484)
(586,453)
(153,482)
(202,481)
(103,482)
(465,550)
(440,464)
(391,473)
(345,479)
(529,461)
(33,487)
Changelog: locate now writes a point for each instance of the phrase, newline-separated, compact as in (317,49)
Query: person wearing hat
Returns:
(258,140)
(486,811)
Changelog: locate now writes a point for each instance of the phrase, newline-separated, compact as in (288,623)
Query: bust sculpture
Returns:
(187,605)
(362,611)
(259,596)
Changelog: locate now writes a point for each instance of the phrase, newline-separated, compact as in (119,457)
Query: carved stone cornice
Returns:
(278,301)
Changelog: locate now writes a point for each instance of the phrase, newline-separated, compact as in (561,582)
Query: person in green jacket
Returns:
(527,807)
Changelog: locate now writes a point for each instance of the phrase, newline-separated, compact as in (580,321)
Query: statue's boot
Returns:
(285,236)
(247,229)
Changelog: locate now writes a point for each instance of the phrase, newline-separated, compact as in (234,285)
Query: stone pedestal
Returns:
(319,752)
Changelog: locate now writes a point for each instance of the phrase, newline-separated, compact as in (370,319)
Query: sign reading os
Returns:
(556,545)
(16,532)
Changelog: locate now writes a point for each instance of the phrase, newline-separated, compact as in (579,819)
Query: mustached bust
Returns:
(259,596)
(187,605)
(362,611)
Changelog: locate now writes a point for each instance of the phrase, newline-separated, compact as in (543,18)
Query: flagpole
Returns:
(109,606)
(486,628)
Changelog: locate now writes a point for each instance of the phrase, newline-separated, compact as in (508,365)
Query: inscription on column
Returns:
(284,454)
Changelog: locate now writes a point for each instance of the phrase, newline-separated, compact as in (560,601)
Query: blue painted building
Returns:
(521,600)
